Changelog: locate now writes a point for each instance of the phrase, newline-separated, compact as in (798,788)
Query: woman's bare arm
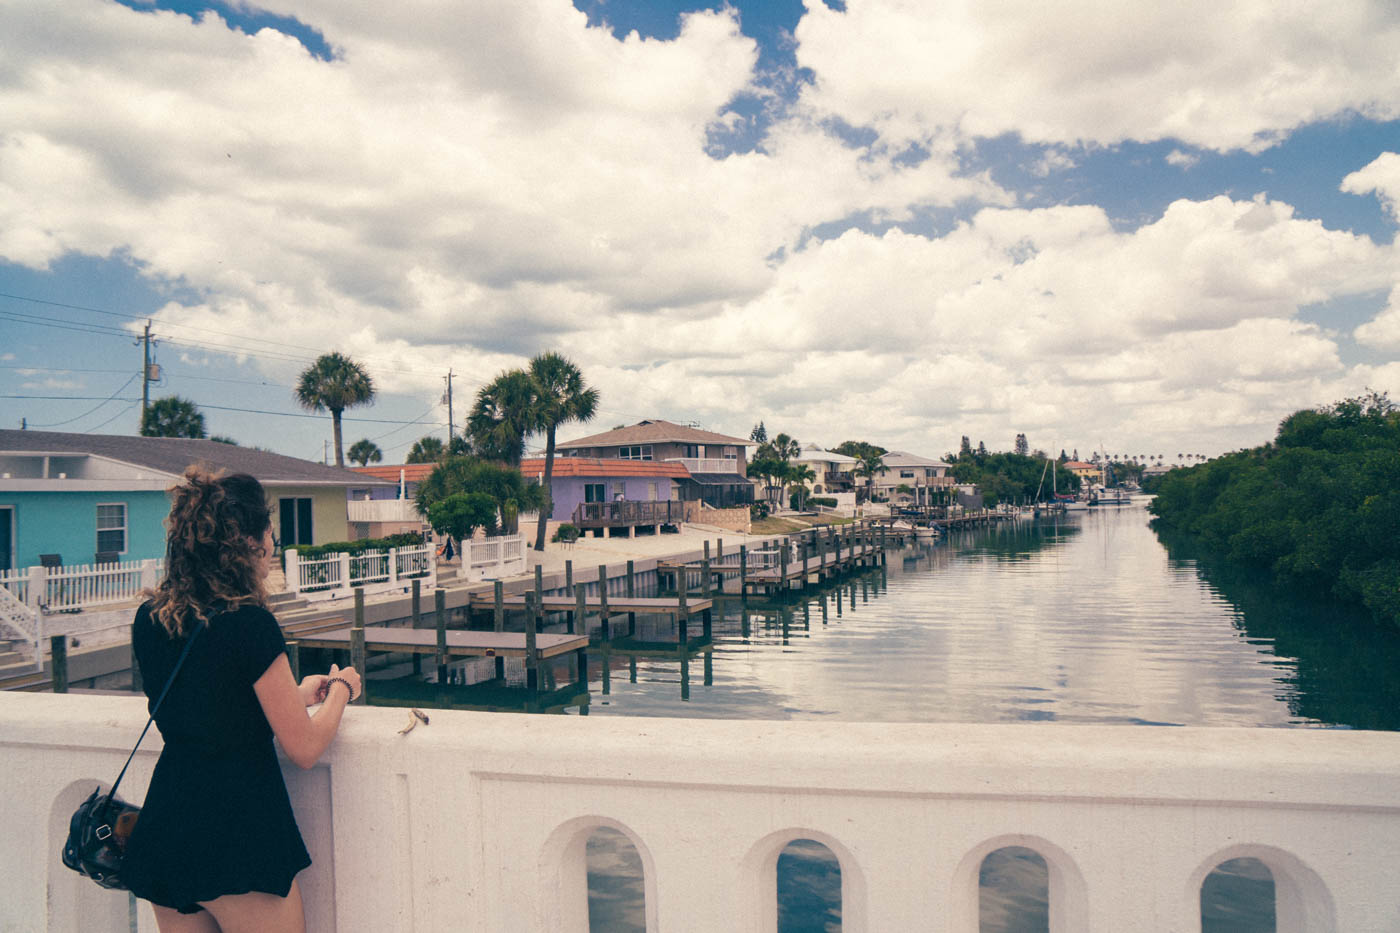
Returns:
(303,737)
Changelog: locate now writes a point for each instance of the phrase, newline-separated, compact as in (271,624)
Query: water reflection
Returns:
(616,893)
(1014,892)
(809,888)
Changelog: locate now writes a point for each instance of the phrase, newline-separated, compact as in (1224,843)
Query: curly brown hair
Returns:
(213,548)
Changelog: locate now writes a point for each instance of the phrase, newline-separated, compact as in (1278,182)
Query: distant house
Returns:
(603,495)
(1087,472)
(386,508)
(835,472)
(717,463)
(925,478)
(81,495)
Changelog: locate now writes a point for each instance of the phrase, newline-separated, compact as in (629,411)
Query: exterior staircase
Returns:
(19,626)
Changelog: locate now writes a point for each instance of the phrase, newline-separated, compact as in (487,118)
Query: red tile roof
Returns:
(593,466)
(412,472)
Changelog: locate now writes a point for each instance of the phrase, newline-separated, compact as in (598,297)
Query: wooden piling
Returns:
(604,623)
(631,591)
(743,573)
(440,622)
(58,648)
(357,646)
(533,622)
(705,571)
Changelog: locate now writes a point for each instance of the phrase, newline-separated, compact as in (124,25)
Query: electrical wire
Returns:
(93,409)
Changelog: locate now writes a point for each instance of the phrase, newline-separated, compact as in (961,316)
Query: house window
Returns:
(651,492)
(111,528)
(692,451)
(906,474)
(592,492)
(635,452)
(294,521)
(730,454)
(619,490)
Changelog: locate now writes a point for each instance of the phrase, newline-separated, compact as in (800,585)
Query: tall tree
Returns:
(334,383)
(1023,446)
(871,462)
(503,415)
(427,449)
(365,451)
(965,448)
(172,416)
(759,434)
(560,397)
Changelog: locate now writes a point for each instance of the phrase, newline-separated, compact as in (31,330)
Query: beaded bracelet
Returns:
(340,680)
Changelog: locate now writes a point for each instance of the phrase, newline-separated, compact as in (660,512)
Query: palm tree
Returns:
(872,461)
(334,383)
(172,416)
(427,449)
(365,451)
(799,475)
(502,416)
(561,397)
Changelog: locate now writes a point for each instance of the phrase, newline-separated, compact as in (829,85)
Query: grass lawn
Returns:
(790,524)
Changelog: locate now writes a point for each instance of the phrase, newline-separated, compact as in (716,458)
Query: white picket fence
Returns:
(81,586)
(491,558)
(337,576)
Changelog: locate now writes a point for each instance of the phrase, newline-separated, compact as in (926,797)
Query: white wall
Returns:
(478,821)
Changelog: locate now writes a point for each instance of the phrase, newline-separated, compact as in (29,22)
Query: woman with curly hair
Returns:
(217,847)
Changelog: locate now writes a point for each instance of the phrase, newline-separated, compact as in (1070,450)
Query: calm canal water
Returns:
(1086,619)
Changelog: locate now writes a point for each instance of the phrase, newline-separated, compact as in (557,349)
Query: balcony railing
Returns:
(708,464)
(382,510)
(481,821)
(628,513)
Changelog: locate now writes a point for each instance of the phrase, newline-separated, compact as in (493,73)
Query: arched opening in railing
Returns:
(1261,889)
(1013,892)
(600,876)
(1238,897)
(617,900)
(1018,879)
(809,888)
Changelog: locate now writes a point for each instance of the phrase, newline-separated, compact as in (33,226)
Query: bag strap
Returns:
(189,642)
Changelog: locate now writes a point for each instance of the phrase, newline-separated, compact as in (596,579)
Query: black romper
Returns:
(216,819)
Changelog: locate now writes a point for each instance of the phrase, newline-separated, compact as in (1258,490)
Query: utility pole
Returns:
(145,340)
(449,408)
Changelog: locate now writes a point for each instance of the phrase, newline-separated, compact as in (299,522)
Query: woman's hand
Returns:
(348,674)
(313,689)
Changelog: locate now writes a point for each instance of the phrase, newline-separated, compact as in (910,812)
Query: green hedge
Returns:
(827,501)
(404,539)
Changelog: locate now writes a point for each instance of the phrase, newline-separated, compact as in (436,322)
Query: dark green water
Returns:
(1088,619)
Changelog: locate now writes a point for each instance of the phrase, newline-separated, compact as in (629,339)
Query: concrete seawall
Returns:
(479,821)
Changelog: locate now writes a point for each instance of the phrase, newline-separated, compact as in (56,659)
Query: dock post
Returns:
(357,645)
(705,571)
(783,563)
(580,611)
(533,621)
(569,588)
(743,573)
(498,595)
(683,617)
(294,660)
(805,538)
(823,609)
(440,623)
(631,592)
(836,541)
(417,609)
(685,674)
(58,647)
(604,627)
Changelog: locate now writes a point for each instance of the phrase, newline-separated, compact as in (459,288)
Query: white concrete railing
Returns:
(74,587)
(337,576)
(479,821)
(382,510)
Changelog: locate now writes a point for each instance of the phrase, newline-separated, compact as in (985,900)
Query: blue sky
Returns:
(1160,231)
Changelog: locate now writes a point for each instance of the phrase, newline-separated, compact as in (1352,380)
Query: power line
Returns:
(90,410)
(250,411)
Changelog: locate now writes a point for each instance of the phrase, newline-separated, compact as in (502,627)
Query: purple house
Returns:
(599,494)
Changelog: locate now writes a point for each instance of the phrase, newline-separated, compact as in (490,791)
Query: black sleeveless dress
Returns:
(216,819)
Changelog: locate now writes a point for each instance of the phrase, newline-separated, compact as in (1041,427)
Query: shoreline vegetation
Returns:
(1319,507)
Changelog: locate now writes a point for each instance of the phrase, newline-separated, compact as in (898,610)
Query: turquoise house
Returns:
(82,495)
